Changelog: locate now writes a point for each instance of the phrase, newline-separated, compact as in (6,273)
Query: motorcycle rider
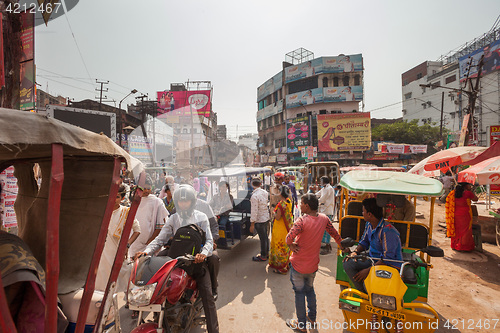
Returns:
(185,202)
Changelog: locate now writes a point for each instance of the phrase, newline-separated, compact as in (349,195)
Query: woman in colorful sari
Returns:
(283,221)
(459,217)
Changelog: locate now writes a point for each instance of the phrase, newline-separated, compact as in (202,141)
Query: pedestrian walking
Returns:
(283,220)
(304,239)
(326,199)
(259,218)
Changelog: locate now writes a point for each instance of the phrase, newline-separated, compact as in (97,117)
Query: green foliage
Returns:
(407,132)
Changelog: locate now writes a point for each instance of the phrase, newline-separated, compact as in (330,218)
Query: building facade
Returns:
(437,92)
(305,89)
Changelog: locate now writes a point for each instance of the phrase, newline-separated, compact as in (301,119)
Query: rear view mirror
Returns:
(433,251)
(347,242)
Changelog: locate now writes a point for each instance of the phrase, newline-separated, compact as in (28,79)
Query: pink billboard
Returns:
(184,103)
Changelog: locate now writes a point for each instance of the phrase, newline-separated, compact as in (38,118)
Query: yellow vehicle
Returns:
(393,301)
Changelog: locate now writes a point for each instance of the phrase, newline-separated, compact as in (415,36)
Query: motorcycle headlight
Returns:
(140,296)
(384,302)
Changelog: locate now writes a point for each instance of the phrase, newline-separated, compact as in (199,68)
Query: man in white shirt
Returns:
(259,217)
(326,199)
(115,230)
(267,180)
(151,215)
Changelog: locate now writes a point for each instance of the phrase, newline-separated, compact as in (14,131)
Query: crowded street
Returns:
(260,166)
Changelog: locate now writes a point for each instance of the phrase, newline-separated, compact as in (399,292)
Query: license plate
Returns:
(385,313)
(222,234)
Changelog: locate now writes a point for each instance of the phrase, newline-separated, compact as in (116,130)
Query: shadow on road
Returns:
(247,277)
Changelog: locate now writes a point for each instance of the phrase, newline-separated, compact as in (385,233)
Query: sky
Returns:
(238,45)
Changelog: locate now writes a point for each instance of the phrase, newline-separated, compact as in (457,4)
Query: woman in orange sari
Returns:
(280,252)
(459,217)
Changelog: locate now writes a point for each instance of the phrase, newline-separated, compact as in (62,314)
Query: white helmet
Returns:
(185,193)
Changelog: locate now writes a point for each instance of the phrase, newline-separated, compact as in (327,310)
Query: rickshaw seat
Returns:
(349,227)
(418,234)
(355,208)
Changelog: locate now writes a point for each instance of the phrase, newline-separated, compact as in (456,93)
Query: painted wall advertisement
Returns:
(8,198)
(185,102)
(323,65)
(297,134)
(344,132)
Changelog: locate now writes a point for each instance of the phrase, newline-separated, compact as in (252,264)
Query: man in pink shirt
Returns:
(304,239)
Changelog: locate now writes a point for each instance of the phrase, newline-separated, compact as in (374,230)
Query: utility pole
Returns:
(101,90)
(442,112)
(472,94)
(472,99)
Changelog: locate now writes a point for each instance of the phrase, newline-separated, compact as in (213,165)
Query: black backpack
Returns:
(187,240)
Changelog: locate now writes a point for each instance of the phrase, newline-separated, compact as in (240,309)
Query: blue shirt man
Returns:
(384,242)
(380,238)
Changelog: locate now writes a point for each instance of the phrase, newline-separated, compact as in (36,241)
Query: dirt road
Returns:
(464,290)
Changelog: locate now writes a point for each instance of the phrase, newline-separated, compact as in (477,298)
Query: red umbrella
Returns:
(445,159)
(485,173)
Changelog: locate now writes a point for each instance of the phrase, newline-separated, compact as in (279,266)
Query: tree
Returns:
(408,132)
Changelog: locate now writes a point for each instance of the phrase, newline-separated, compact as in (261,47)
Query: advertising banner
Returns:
(297,134)
(343,94)
(185,102)
(343,64)
(140,148)
(303,70)
(494,134)
(469,63)
(27,85)
(281,158)
(270,110)
(27,36)
(394,148)
(2,67)
(324,65)
(344,132)
(307,97)
(270,86)
(8,197)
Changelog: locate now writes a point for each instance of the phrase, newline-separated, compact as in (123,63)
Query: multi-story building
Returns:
(436,90)
(306,88)
(189,113)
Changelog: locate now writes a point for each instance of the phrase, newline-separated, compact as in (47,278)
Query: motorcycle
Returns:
(161,285)
(383,308)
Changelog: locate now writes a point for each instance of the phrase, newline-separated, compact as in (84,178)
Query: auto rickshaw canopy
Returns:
(391,183)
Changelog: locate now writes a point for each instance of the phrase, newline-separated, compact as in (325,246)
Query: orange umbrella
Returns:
(485,173)
(445,159)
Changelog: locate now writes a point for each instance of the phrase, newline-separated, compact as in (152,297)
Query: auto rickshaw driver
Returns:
(381,239)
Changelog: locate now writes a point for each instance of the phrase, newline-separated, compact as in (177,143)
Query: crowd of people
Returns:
(292,231)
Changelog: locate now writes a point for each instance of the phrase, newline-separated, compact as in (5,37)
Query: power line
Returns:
(74,38)
(69,85)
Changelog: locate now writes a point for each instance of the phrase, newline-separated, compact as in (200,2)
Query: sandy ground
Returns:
(464,290)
